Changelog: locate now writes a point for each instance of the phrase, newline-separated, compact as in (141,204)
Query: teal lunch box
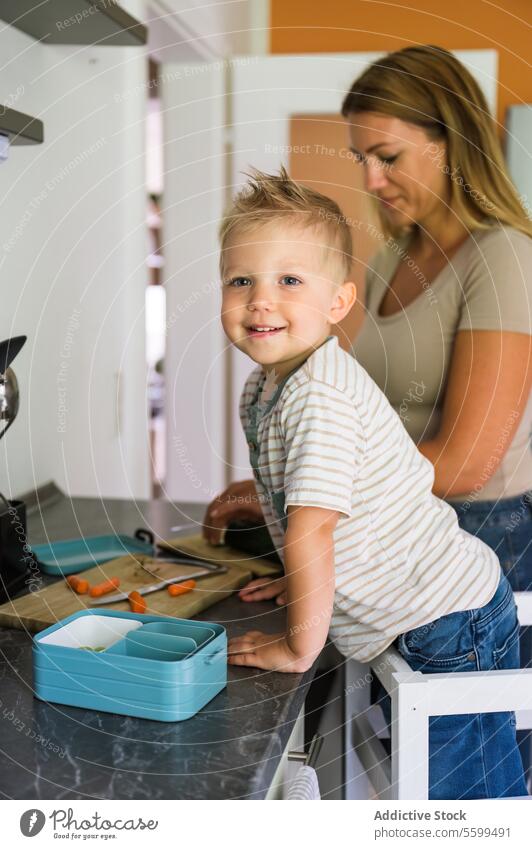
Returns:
(154,667)
(68,556)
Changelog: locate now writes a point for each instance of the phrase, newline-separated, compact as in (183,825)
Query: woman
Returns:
(448,299)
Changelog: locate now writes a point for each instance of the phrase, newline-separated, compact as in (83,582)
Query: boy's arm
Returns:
(309,569)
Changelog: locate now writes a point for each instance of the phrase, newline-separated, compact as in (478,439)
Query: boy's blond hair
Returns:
(276,198)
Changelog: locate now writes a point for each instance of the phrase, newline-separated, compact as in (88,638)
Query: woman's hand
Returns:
(238,501)
(262,589)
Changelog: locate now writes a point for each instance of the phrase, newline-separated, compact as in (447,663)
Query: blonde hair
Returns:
(276,198)
(427,86)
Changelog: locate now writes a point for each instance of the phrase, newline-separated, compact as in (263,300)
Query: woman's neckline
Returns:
(432,285)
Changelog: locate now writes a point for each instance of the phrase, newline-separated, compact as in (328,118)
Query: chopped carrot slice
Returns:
(181,589)
(137,602)
(105,587)
(79,585)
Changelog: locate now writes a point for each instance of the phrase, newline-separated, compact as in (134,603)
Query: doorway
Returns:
(155,304)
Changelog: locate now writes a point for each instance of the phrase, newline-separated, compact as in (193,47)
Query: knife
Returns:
(152,588)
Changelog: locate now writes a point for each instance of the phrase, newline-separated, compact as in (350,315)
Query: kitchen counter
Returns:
(229,750)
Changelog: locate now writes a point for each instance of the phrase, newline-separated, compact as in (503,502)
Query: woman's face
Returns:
(403,168)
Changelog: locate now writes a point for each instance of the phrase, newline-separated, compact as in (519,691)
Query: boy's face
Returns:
(279,277)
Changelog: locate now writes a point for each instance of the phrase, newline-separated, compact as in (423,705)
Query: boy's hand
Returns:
(262,589)
(265,651)
(238,501)
(309,585)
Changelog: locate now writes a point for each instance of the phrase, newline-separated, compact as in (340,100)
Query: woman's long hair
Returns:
(427,86)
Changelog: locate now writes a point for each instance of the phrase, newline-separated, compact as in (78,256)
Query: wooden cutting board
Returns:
(39,610)
(222,555)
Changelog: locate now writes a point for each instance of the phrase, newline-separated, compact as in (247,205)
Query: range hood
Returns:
(100,22)
(20,128)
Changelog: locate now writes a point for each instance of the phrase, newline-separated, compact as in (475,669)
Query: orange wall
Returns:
(314,26)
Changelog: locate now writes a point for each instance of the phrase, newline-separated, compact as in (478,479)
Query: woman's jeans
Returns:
(506,526)
(471,756)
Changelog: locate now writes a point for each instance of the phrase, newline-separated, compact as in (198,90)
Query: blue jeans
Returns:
(471,756)
(506,526)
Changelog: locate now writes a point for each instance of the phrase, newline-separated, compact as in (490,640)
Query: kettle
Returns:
(15,555)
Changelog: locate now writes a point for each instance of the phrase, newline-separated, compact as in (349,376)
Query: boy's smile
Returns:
(261,331)
(281,293)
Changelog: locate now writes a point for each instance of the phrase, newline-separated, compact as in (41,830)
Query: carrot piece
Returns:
(137,602)
(105,587)
(181,589)
(79,585)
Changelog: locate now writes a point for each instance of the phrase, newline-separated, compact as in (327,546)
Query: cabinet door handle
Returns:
(308,758)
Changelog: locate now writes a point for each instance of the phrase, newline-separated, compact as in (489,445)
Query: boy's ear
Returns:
(344,298)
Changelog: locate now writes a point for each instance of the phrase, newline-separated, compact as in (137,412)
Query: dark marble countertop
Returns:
(229,750)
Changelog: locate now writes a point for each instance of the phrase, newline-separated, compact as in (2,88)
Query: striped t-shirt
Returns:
(326,436)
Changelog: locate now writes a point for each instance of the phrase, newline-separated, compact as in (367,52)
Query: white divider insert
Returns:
(93,631)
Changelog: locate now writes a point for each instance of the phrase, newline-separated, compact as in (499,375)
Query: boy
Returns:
(369,553)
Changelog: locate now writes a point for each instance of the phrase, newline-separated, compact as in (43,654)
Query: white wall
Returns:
(518,135)
(191,30)
(196,349)
(72,273)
